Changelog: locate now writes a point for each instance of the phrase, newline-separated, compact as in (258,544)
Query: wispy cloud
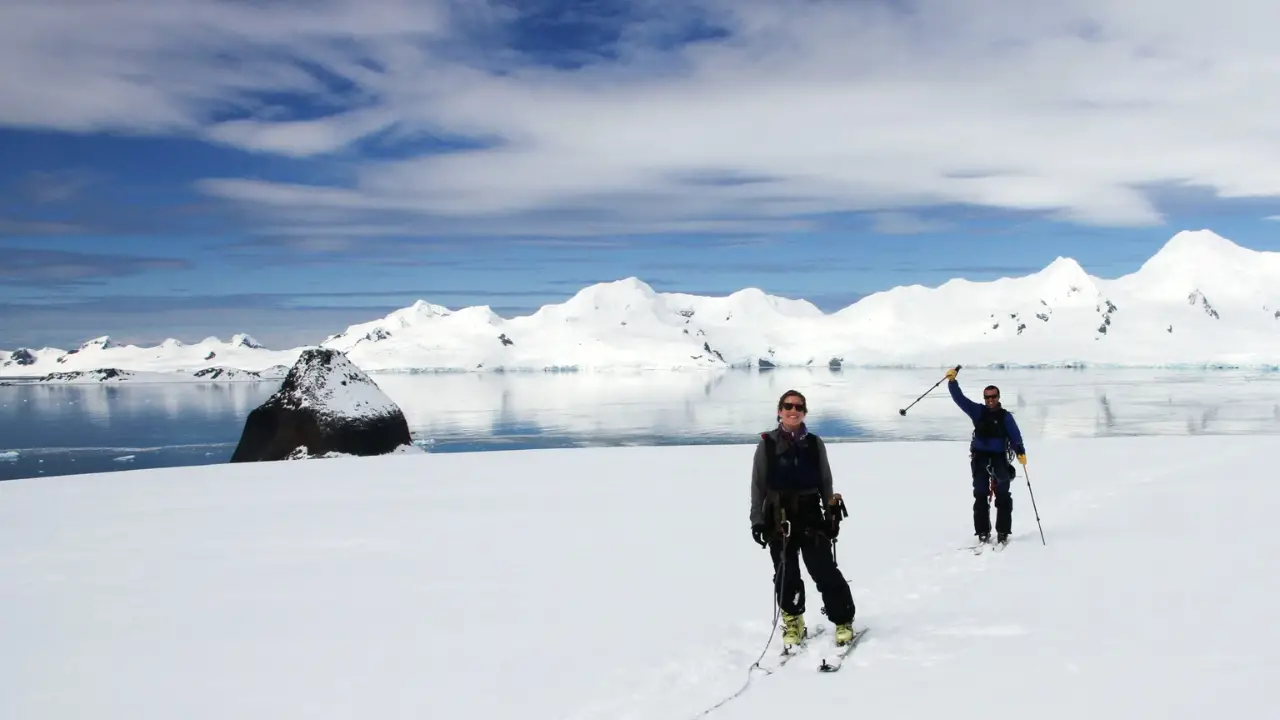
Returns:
(76,201)
(972,270)
(712,117)
(45,187)
(25,228)
(62,268)
(901,223)
(331,300)
(282,327)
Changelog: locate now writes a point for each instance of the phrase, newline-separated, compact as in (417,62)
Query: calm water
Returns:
(57,430)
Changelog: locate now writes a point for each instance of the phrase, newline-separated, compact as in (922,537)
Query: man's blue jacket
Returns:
(975,410)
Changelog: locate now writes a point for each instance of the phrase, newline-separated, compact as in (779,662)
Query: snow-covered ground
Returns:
(623,583)
(1201,300)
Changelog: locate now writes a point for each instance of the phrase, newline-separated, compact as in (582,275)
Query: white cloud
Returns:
(900,223)
(831,106)
(301,138)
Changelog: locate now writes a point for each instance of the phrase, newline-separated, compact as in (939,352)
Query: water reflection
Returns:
(59,429)
(845,405)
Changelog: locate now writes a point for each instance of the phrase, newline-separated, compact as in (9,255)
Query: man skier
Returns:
(795,514)
(994,433)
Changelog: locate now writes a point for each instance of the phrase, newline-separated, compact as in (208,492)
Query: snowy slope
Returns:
(1201,300)
(597,583)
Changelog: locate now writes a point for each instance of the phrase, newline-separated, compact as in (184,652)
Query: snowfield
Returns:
(1202,300)
(623,583)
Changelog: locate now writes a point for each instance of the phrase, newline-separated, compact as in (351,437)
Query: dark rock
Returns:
(225,373)
(22,357)
(100,375)
(325,404)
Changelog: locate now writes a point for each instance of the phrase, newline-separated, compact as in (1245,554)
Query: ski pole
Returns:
(1027,474)
(904,410)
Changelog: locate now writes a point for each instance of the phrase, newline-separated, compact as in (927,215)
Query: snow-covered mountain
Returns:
(210,359)
(608,325)
(1201,300)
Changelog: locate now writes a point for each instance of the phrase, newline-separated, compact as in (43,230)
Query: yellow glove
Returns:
(951,374)
(1022,459)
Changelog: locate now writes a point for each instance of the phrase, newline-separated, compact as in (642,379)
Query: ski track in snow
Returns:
(336,589)
(892,610)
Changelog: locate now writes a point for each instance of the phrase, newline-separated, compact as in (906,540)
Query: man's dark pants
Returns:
(984,465)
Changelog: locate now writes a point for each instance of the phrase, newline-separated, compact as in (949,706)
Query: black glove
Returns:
(757,534)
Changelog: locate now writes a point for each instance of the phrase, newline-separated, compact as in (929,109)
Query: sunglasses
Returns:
(793,406)
(991,397)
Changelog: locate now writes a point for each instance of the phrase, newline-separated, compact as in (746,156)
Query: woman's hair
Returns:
(790,393)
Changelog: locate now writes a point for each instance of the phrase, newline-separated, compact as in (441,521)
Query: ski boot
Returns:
(1002,538)
(794,630)
(844,633)
(984,538)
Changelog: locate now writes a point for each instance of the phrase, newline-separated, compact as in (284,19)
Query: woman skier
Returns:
(795,514)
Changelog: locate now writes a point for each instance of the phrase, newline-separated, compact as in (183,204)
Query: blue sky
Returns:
(285,169)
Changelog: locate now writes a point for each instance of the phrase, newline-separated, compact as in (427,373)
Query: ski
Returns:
(841,653)
(790,652)
(980,548)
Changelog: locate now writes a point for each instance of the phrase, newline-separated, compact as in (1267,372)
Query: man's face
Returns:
(991,397)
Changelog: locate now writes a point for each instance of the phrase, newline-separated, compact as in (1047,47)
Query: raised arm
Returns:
(970,408)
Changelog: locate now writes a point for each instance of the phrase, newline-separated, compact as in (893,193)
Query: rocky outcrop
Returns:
(22,357)
(275,372)
(325,405)
(101,375)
